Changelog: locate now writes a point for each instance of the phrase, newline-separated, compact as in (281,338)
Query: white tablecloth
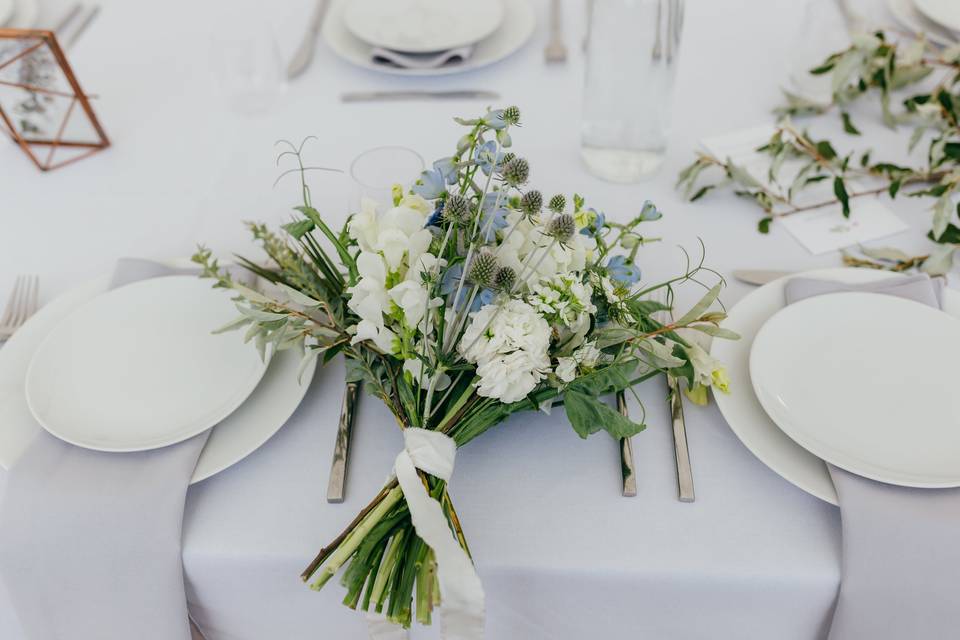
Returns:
(562,554)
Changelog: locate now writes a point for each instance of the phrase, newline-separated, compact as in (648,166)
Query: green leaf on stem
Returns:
(764,225)
(588,414)
(848,124)
(840,190)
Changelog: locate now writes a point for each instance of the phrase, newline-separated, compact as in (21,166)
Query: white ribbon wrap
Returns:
(462,599)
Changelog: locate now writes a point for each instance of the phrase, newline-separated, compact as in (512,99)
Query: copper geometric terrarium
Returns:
(42,106)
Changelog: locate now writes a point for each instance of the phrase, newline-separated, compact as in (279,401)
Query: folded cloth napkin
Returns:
(90,541)
(433,60)
(900,553)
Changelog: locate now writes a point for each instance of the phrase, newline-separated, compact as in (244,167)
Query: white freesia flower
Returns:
(583,359)
(566,369)
(384,338)
(707,370)
(509,344)
(363,226)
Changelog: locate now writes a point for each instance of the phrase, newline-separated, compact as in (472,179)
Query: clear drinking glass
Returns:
(375,171)
(631,64)
(250,71)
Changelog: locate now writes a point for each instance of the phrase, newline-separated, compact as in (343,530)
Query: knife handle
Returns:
(341,451)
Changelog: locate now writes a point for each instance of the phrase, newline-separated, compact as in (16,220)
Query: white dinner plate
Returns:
(741,409)
(518,24)
(946,13)
(422,26)
(861,380)
(244,431)
(139,367)
(908,16)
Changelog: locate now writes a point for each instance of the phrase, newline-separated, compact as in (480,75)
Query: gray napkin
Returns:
(434,60)
(90,541)
(901,557)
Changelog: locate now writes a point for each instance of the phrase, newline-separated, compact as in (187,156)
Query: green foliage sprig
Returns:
(872,65)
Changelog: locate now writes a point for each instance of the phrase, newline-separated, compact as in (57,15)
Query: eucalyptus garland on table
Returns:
(464,300)
(873,65)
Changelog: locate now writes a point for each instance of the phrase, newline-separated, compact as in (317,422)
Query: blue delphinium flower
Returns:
(447,168)
(494,119)
(492,217)
(622,271)
(487,157)
(430,184)
(434,218)
(598,219)
(649,212)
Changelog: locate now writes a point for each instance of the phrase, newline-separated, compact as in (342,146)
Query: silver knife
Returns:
(336,486)
(759,276)
(379,96)
(301,59)
(627,468)
(685,491)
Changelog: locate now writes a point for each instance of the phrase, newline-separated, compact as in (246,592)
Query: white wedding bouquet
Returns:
(467,298)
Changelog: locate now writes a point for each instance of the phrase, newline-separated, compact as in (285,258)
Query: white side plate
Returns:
(861,380)
(138,368)
(422,26)
(742,410)
(240,434)
(518,25)
(946,13)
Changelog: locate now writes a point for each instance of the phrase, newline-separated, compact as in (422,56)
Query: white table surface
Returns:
(561,553)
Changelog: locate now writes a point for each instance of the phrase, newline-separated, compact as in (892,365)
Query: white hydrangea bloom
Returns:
(509,343)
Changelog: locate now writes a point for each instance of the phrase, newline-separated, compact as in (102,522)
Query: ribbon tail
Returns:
(462,607)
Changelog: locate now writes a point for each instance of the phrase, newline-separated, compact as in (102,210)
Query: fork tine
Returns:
(11,303)
(35,300)
(19,310)
(30,302)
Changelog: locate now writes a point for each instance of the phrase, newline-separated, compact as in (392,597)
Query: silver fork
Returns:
(555,50)
(685,491)
(21,305)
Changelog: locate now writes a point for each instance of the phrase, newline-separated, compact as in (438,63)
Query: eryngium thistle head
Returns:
(456,209)
(507,157)
(557,203)
(484,268)
(511,115)
(505,278)
(562,227)
(531,202)
(516,171)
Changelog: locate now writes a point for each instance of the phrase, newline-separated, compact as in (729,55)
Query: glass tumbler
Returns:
(374,172)
(631,63)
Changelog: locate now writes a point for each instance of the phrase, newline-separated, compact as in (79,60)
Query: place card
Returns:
(820,229)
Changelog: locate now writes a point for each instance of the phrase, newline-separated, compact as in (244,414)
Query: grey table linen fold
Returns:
(901,557)
(90,542)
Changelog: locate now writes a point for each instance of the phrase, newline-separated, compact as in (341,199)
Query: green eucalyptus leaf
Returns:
(588,414)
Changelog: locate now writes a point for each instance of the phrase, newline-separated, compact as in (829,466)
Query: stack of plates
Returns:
(427,37)
(938,19)
(138,368)
(858,380)
(18,14)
